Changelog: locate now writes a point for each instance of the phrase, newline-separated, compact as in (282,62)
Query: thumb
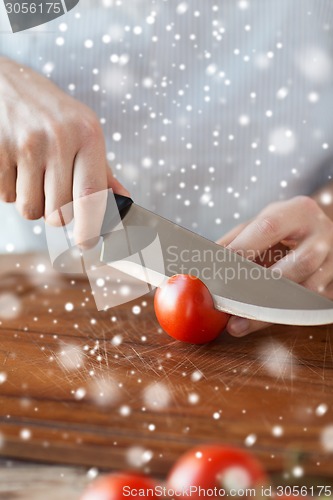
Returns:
(239,327)
(231,235)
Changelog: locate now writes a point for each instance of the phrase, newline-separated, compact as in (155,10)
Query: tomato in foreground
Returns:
(216,466)
(185,309)
(119,486)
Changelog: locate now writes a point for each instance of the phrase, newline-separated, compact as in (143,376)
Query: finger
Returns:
(115,185)
(322,278)
(231,235)
(89,192)
(239,327)
(268,229)
(329,291)
(7,180)
(58,182)
(299,264)
(272,255)
(30,189)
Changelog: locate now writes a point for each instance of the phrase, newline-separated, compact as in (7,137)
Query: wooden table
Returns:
(111,390)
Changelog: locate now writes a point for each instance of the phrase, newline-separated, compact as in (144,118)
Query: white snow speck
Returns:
(321,410)
(244,120)
(298,471)
(277,431)
(125,411)
(281,141)
(182,8)
(193,398)
(326,198)
(25,434)
(104,391)
(234,478)
(70,356)
(277,359)
(137,456)
(88,44)
(136,310)
(60,41)
(313,97)
(37,229)
(196,376)
(117,340)
(282,93)
(315,64)
(116,137)
(92,473)
(146,163)
(250,440)
(156,396)
(243,4)
(326,438)
(48,68)
(41,268)
(80,393)
(10,306)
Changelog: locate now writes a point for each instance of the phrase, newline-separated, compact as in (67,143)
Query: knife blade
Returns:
(152,248)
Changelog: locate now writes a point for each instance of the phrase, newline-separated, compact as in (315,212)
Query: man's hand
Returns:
(52,149)
(300,226)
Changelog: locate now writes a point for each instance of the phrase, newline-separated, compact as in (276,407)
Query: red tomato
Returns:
(118,486)
(185,310)
(221,467)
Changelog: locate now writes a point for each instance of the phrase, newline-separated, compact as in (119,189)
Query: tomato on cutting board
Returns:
(185,309)
(225,468)
(119,486)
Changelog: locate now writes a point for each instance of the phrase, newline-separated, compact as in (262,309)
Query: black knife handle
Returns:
(111,218)
(123,203)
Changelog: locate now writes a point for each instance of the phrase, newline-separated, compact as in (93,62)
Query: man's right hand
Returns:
(52,149)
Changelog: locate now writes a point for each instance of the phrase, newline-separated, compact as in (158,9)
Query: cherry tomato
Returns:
(185,309)
(221,467)
(119,486)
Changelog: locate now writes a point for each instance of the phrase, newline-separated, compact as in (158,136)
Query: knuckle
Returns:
(90,127)
(31,142)
(86,191)
(315,285)
(55,131)
(322,247)
(307,263)
(268,226)
(307,204)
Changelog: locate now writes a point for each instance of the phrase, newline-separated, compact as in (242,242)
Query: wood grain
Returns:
(28,481)
(111,390)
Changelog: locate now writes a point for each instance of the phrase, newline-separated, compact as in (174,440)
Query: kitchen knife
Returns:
(152,248)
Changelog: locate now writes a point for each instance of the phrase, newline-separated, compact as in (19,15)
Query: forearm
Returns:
(324,198)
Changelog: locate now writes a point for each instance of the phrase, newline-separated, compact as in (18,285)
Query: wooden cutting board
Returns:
(110,389)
